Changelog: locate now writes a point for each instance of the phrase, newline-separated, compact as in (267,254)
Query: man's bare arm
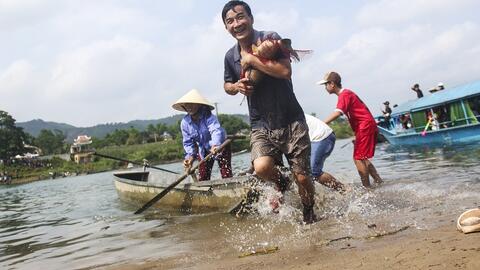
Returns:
(334,115)
(241,86)
(230,88)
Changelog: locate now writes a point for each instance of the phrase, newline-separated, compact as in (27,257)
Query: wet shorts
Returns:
(292,141)
(365,141)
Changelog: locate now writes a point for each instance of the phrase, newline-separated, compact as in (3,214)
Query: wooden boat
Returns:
(453,113)
(223,195)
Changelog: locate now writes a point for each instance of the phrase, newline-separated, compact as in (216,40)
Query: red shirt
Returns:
(355,110)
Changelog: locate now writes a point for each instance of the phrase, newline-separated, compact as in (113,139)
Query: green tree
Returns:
(118,137)
(342,128)
(29,139)
(232,124)
(153,132)
(98,142)
(175,130)
(11,137)
(161,127)
(50,142)
(134,136)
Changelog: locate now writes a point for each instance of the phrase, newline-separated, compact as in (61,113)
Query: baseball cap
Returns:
(331,76)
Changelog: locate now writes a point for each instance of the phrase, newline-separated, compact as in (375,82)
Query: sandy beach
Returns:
(406,248)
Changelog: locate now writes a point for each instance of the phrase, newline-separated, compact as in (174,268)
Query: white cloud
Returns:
(386,12)
(16,77)
(93,62)
(18,89)
(15,15)
(104,68)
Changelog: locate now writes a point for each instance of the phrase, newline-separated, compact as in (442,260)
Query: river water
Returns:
(79,222)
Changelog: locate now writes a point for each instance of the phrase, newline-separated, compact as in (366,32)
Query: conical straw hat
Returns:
(191,97)
(469,221)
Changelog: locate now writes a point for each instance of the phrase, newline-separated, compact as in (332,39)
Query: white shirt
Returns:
(317,129)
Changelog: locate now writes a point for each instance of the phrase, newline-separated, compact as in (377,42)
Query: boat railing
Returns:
(405,131)
(396,128)
(451,124)
(389,131)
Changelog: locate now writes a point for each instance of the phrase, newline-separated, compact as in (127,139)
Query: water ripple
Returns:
(79,222)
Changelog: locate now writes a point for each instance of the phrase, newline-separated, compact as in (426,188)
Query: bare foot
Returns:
(378,182)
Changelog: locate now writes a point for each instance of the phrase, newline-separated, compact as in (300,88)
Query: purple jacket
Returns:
(205,133)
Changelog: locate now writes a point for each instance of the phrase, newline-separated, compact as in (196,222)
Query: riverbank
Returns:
(440,248)
(48,175)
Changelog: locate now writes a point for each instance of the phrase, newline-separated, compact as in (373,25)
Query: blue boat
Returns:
(445,117)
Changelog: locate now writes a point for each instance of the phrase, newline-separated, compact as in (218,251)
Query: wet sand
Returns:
(442,247)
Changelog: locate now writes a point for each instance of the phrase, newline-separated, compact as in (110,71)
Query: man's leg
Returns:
(328,180)
(319,152)
(305,188)
(297,149)
(363,172)
(265,157)
(373,172)
(265,169)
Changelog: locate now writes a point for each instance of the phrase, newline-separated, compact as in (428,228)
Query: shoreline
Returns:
(35,178)
(439,248)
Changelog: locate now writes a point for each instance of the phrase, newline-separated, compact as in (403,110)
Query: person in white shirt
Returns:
(322,140)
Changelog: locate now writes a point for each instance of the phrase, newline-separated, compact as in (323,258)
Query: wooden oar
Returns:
(133,162)
(174,184)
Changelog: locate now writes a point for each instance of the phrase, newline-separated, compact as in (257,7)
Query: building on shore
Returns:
(81,150)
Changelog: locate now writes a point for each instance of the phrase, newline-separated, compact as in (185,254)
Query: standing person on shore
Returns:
(362,123)
(322,140)
(276,118)
(202,134)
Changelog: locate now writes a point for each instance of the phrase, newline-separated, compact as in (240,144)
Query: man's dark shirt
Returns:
(388,110)
(419,93)
(272,104)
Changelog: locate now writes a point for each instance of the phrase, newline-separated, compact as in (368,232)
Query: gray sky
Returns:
(91,62)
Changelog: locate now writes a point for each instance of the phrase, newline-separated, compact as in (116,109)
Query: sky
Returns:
(98,61)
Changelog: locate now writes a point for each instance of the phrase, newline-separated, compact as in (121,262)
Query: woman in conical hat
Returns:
(202,133)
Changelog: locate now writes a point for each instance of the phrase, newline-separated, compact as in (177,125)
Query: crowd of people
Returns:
(5,177)
(258,66)
(437,118)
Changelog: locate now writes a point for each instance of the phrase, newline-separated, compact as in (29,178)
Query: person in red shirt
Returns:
(362,123)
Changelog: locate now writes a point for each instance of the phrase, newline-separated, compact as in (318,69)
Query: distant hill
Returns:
(34,127)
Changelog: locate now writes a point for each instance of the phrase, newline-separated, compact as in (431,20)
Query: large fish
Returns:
(272,49)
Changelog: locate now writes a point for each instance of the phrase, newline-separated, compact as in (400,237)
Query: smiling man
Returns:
(276,118)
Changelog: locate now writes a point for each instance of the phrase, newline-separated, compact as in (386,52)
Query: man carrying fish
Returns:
(276,118)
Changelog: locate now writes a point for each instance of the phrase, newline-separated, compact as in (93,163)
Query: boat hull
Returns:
(209,196)
(447,136)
